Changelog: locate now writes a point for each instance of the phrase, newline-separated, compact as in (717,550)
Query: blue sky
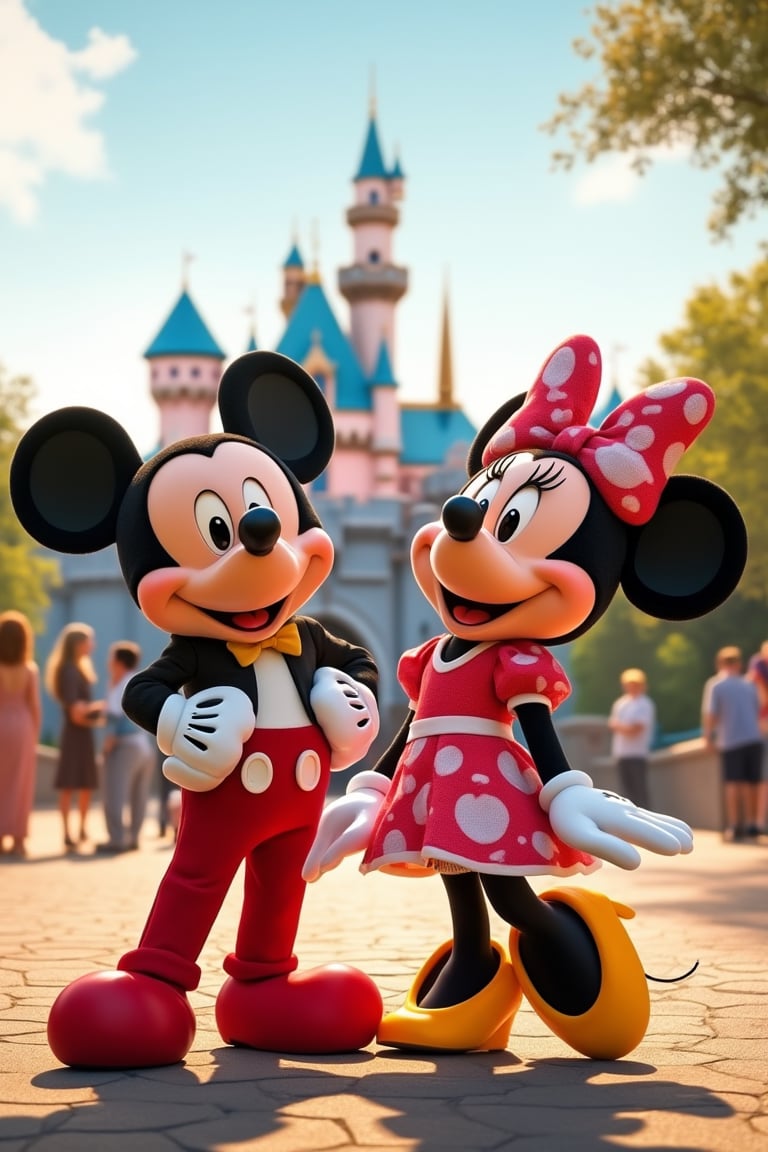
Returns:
(133,131)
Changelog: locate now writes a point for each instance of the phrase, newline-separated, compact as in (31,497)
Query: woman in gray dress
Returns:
(69,678)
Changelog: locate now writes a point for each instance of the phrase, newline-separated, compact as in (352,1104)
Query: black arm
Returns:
(542,740)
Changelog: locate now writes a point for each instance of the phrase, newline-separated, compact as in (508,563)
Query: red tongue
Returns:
(466,615)
(254,620)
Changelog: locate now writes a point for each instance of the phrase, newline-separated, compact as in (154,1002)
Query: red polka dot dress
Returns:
(465,792)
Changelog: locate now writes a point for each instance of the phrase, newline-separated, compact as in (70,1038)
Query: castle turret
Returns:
(294,279)
(373,284)
(445,367)
(184,370)
(385,438)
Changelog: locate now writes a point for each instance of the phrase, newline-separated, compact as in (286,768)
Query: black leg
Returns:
(472,962)
(556,946)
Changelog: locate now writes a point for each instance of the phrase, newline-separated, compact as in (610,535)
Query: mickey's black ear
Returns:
(68,477)
(271,399)
(690,556)
(489,429)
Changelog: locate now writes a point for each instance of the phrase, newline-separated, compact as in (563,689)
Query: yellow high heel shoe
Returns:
(481,1023)
(618,1019)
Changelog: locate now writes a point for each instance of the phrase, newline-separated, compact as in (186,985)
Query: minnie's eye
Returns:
(214,521)
(482,490)
(255,495)
(517,513)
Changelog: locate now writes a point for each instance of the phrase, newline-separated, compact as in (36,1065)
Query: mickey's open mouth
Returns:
(252,620)
(471,612)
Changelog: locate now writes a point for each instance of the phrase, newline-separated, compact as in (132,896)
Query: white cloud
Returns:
(614,179)
(46,103)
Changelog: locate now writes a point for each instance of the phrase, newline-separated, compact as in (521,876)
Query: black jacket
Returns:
(190,664)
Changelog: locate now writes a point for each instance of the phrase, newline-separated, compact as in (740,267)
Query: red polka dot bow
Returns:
(631,455)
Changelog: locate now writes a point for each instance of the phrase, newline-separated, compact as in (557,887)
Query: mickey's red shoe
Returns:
(120,1020)
(334,1008)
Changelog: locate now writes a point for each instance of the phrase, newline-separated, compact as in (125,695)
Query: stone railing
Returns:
(683,779)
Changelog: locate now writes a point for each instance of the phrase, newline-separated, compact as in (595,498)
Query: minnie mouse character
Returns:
(556,516)
(252,705)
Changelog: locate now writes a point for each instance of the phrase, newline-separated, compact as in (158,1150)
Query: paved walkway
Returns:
(698,1082)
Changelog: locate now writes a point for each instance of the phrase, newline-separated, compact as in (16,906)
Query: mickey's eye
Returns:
(255,495)
(517,513)
(214,521)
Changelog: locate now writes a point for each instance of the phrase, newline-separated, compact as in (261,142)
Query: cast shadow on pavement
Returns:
(423,1103)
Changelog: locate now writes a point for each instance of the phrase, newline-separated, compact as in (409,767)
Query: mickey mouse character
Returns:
(556,516)
(252,705)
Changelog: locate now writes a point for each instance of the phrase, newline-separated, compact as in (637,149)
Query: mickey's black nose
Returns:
(259,530)
(462,517)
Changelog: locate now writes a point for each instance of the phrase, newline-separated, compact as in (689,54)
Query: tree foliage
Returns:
(25,576)
(677,73)
(723,339)
(676,656)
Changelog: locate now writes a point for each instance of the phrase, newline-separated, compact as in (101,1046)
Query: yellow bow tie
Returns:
(286,639)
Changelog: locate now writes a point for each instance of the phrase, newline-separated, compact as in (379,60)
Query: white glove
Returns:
(346,824)
(607,825)
(203,736)
(347,713)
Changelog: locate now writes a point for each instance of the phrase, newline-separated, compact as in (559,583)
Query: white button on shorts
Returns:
(257,772)
(308,770)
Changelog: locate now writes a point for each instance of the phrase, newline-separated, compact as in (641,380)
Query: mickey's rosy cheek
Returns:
(157,590)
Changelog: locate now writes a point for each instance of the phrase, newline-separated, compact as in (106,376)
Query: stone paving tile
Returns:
(697,1083)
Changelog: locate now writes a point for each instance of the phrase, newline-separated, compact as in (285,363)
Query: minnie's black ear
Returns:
(271,399)
(489,429)
(690,556)
(68,477)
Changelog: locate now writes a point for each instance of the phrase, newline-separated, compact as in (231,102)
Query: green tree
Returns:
(674,73)
(25,576)
(723,339)
(676,656)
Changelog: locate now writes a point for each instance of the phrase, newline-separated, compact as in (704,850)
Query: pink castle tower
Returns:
(184,370)
(373,284)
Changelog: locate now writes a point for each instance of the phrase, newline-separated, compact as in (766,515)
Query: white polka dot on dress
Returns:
(483,819)
(394,841)
(448,760)
(543,844)
(413,751)
(525,781)
(421,805)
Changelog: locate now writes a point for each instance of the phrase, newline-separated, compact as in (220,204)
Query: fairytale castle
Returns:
(393,465)
(384,447)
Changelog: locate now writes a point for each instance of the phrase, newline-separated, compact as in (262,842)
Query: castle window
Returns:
(373,256)
(373,196)
(194,371)
(173,371)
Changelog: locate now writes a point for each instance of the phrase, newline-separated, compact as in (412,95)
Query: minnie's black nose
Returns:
(259,530)
(462,517)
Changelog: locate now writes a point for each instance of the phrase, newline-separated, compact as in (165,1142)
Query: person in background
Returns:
(731,723)
(19,728)
(128,757)
(758,672)
(632,722)
(69,678)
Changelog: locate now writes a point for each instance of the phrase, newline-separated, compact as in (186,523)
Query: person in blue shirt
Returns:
(731,720)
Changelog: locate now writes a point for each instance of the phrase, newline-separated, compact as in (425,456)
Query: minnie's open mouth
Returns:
(474,612)
(250,620)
